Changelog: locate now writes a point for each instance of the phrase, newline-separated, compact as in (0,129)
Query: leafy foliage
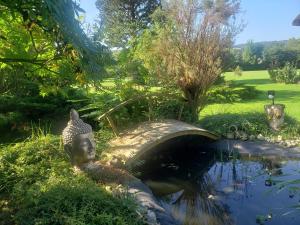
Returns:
(59,20)
(127,67)
(141,105)
(19,113)
(287,74)
(41,188)
(122,20)
(20,169)
(280,54)
(252,123)
(76,200)
(263,55)
(238,71)
(230,93)
(39,67)
(252,53)
(41,62)
(187,43)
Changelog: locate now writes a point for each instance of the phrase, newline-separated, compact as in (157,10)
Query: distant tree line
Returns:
(266,55)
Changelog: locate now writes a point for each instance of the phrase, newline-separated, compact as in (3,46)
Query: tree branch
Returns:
(16,60)
(32,61)
(33,43)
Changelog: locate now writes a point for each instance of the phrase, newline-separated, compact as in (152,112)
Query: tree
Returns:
(29,61)
(249,55)
(58,19)
(187,45)
(294,46)
(236,57)
(121,20)
(278,55)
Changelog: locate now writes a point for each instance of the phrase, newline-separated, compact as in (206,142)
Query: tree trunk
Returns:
(193,109)
(192,105)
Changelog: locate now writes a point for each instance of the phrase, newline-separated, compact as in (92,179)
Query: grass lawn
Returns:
(288,94)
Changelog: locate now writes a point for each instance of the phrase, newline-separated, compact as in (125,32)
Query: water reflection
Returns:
(192,198)
(227,193)
(198,204)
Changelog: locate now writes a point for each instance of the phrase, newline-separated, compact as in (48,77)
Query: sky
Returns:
(266,20)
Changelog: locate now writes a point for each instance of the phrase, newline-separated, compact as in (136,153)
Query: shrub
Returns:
(231,93)
(238,71)
(287,74)
(76,201)
(18,113)
(273,73)
(170,108)
(40,187)
(165,104)
(220,80)
(128,114)
(252,123)
(31,161)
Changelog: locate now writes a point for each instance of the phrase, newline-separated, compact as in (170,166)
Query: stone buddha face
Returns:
(78,140)
(83,148)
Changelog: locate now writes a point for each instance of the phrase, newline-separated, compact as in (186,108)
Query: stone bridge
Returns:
(144,138)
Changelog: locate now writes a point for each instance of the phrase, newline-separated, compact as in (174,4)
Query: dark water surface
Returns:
(241,191)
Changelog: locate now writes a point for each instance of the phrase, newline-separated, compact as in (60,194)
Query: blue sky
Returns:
(267,20)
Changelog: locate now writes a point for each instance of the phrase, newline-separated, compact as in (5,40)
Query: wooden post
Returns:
(180,112)
(112,125)
(149,108)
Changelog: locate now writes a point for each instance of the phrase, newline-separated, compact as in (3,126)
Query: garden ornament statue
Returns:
(79,144)
(275,113)
(78,140)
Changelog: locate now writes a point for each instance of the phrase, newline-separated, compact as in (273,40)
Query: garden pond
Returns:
(209,188)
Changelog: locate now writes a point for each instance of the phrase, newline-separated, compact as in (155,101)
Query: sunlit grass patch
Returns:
(249,114)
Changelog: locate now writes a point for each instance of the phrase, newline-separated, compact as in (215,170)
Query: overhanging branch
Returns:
(20,60)
(32,61)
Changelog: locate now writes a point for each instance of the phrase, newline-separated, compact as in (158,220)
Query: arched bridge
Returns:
(144,138)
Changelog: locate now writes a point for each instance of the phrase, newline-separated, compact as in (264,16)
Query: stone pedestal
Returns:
(275,115)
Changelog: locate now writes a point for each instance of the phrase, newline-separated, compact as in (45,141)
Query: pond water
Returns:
(240,191)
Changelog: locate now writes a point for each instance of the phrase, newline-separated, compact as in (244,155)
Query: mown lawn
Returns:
(288,94)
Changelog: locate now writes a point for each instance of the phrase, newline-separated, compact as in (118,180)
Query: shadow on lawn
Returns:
(254,81)
(284,95)
(281,97)
(279,94)
(252,123)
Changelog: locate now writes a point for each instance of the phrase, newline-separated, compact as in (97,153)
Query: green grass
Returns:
(38,186)
(236,103)
(288,94)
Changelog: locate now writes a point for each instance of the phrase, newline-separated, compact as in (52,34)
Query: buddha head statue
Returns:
(275,115)
(78,140)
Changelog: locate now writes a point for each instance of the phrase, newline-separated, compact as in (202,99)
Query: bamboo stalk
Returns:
(112,125)
(149,108)
(180,112)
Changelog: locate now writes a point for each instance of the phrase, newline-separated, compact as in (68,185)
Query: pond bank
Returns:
(256,148)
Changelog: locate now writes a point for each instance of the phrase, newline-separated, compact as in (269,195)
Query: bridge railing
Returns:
(149,98)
